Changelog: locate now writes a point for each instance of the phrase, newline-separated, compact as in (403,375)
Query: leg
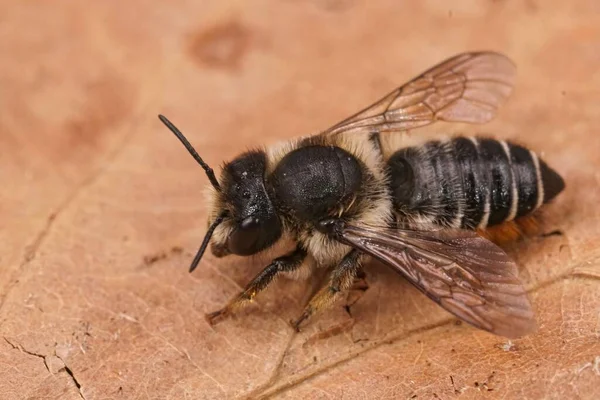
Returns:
(357,290)
(360,281)
(287,263)
(340,281)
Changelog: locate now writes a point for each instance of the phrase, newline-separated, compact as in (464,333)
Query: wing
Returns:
(466,274)
(466,88)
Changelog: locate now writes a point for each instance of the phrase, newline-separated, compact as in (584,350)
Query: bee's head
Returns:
(243,220)
(250,223)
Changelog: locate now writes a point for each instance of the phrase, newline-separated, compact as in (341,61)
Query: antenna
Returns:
(209,171)
(206,240)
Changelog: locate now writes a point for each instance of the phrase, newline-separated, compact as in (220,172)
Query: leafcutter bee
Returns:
(357,190)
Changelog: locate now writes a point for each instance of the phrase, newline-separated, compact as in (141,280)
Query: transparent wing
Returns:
(466,88)
(466,274)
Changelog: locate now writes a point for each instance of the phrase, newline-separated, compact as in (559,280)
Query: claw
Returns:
(226,311)
(360,285)
(305,315)
(217,316)
(295,324)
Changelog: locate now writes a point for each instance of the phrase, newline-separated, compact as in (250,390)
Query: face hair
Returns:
(209,172)
(206,240)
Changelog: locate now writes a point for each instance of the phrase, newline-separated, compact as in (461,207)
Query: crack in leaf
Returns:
(23,350)
(66,368)
(69,371)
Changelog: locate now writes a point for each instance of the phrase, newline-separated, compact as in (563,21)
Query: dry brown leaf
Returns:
(101,208)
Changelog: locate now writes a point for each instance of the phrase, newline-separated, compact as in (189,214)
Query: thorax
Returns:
(328,176)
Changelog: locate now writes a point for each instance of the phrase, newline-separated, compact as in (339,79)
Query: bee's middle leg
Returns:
(340,280)
(286,263)
(357,290)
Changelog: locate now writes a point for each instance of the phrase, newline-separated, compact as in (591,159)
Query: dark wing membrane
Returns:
(466,274)
(466,88)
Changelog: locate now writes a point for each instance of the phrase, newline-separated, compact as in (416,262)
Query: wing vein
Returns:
(466,274)
(442,91)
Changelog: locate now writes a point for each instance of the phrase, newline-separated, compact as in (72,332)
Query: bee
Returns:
(357,191)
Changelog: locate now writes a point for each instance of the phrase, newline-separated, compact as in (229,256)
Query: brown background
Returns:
(101,208)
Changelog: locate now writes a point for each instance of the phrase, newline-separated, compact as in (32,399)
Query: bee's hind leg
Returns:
(286,263)
(339,282)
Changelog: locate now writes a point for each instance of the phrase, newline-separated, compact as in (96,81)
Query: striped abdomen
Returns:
(469,183)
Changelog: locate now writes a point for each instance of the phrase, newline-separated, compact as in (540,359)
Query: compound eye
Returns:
(250,223)
(244,239)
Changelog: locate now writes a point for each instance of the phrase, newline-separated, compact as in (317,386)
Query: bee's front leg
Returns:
(340,280)
(286,263)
